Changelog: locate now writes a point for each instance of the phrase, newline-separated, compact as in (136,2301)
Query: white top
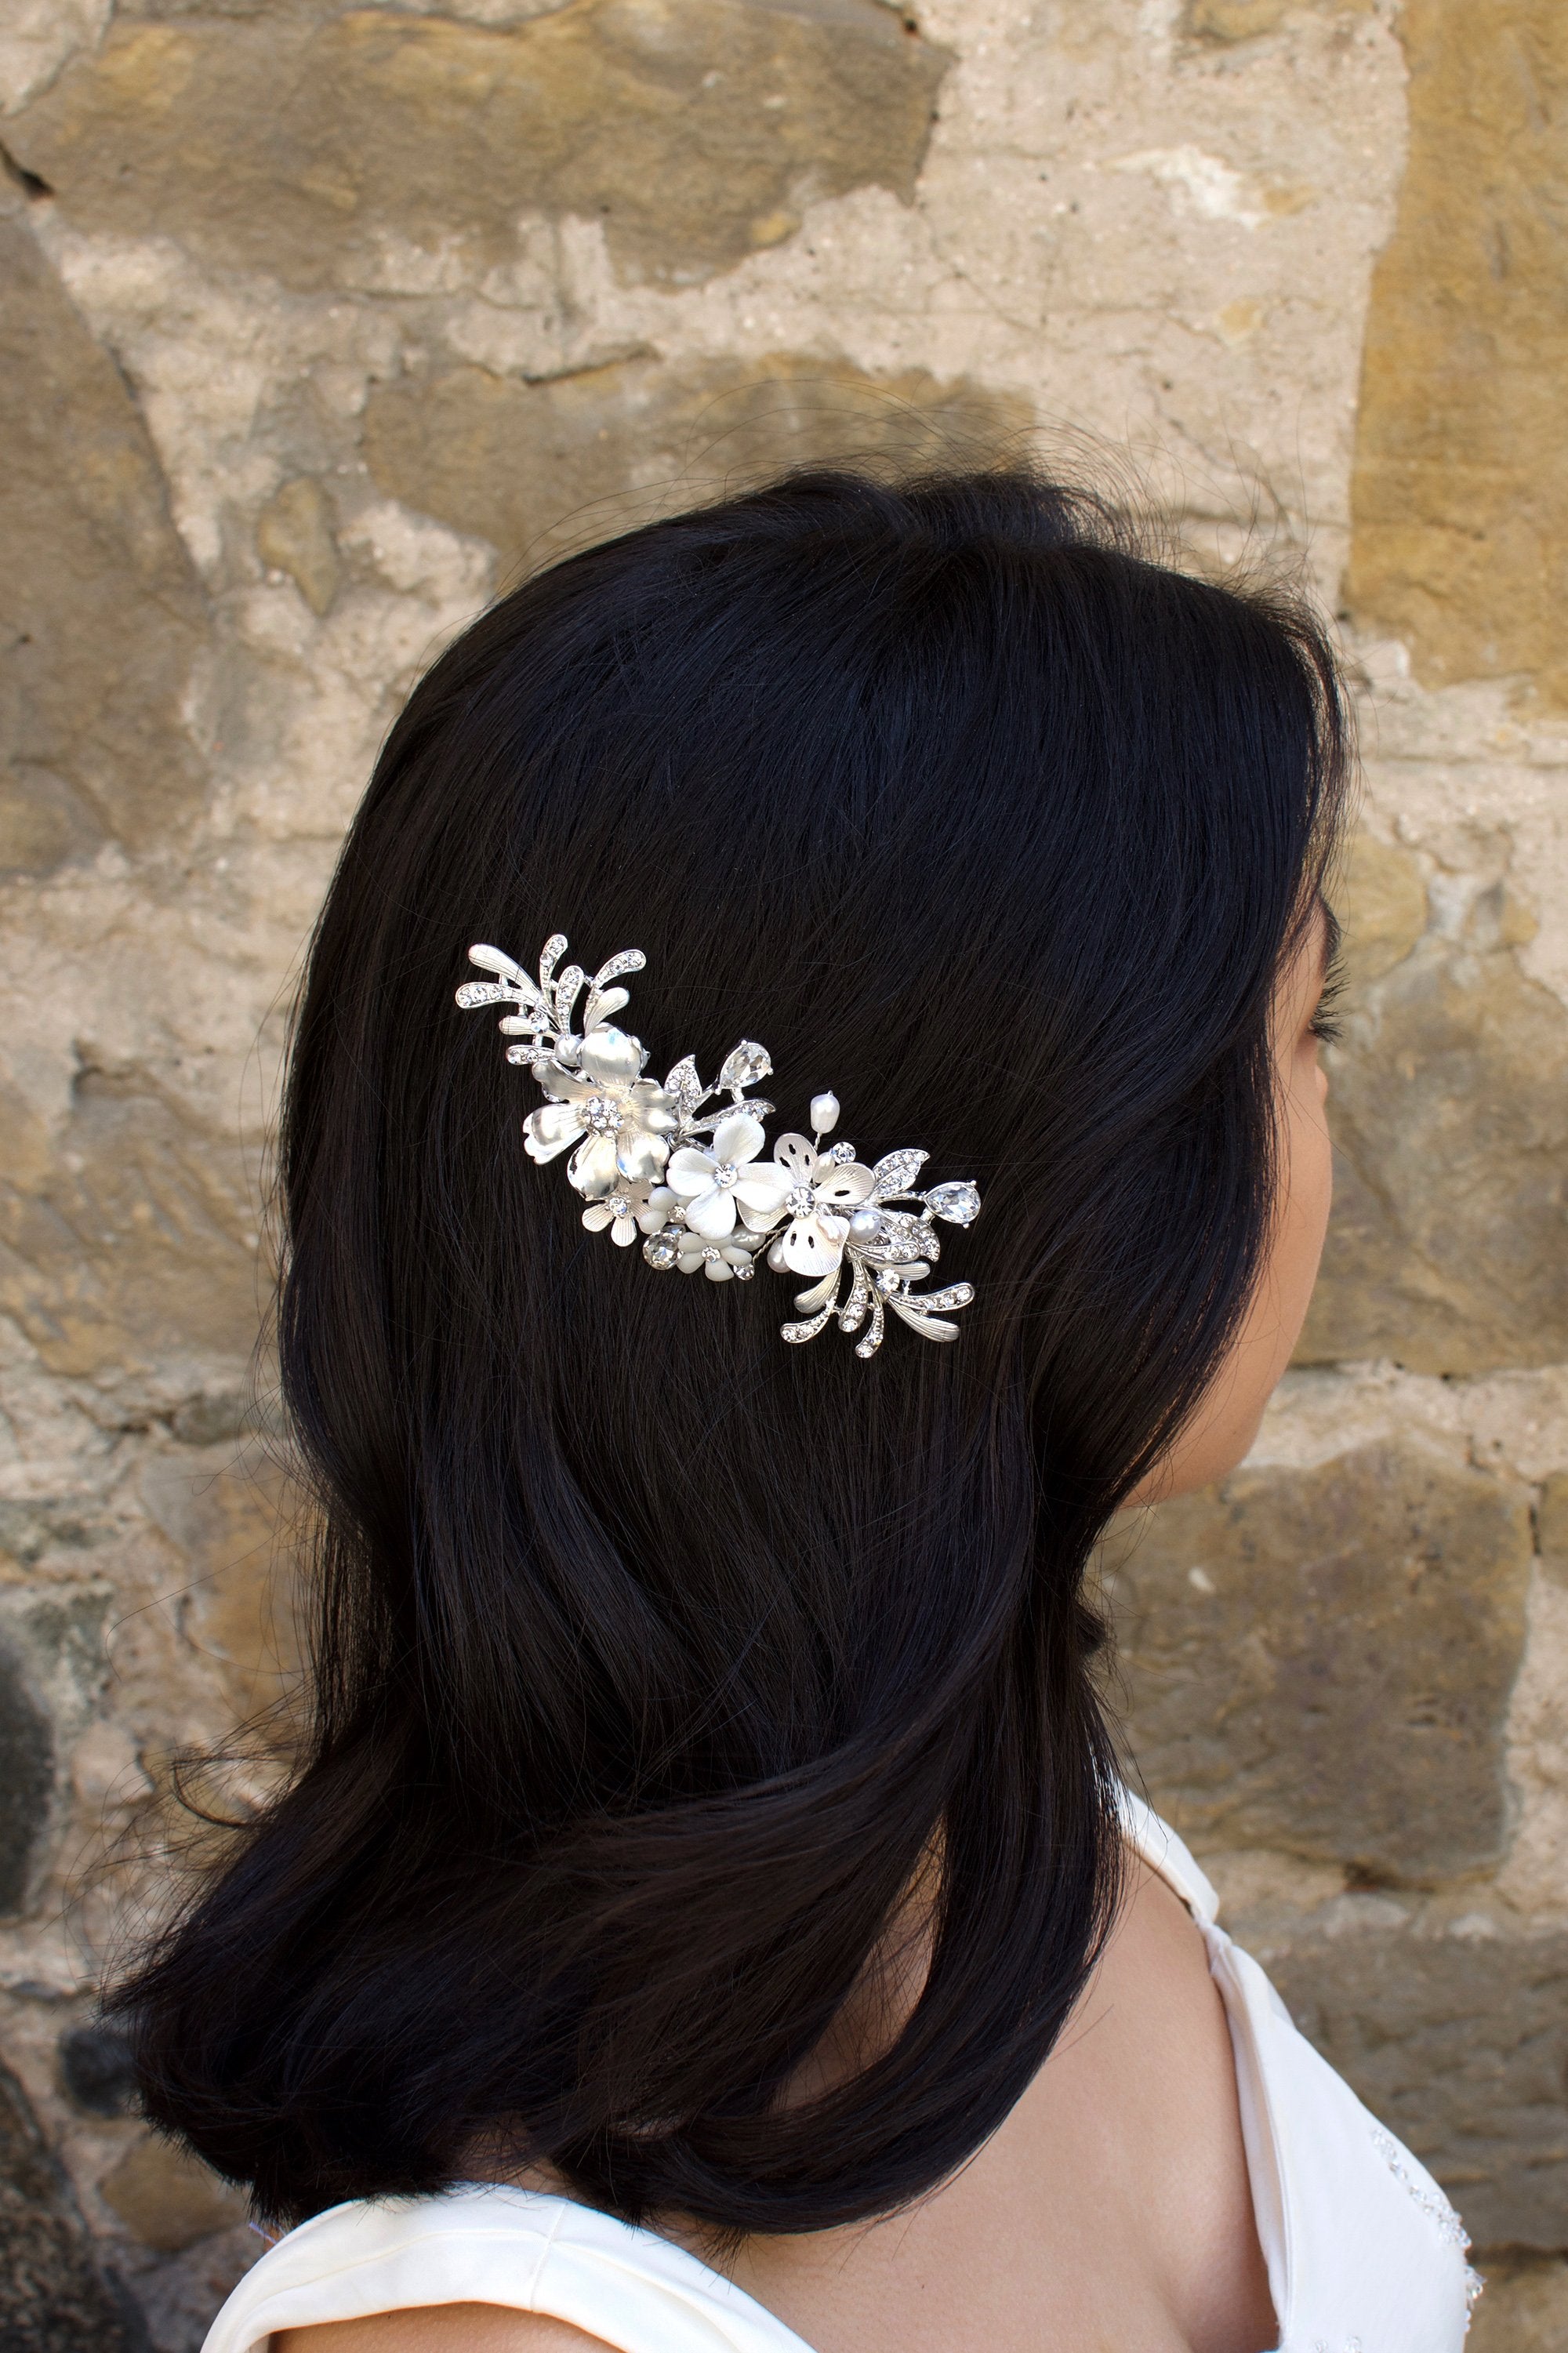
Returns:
(1364,2252)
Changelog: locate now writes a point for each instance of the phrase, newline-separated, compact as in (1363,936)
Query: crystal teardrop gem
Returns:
(959,1203)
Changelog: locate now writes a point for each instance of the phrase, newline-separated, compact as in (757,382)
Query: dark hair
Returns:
(655,1659)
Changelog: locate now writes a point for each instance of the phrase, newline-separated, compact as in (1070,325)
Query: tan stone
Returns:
(1551,1526)
(1448,1105)
(694,130)
(230,1515)
(125,1240)
(1461,490)
(1380,899)
(1524,2309)
(294,534)
(101,618)
(167,2197)
(1320,1659)
(1246,20)
(534,468)
(1451,2021)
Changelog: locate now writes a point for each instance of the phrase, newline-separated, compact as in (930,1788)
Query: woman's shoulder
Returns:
(441,2328)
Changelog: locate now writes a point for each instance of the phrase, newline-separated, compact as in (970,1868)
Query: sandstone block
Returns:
(1452,2025)
(1524,2310)
(123,1240)
(1459,497)
(298,145)
(100,617)
(294,534)
(537,467)
(1447,1248)
(53,2298)
(229,1516)
(1319,1660)
(169,2198)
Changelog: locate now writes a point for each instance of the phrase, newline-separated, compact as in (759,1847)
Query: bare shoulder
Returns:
(442,2328)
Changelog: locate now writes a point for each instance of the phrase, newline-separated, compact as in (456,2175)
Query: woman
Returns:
(708,1914)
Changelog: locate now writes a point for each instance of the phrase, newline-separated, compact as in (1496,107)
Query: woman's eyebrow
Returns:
(1333,937)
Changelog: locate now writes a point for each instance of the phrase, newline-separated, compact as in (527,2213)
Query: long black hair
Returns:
(656,1661)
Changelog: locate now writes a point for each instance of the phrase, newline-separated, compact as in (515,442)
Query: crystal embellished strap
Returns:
(650,1159)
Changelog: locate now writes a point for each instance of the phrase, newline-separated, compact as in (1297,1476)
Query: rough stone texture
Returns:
(1460,490)
(1322,1660)
(54,2297)
(167,2197)
(1450,1116)
(1524,2310)
(333,317)
(99,627)
(1452,2023)
(306,145)
(534,467)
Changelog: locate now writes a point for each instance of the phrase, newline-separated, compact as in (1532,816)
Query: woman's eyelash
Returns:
(1325,1024)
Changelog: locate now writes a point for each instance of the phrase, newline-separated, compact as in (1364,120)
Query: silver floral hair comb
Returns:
(649,1159)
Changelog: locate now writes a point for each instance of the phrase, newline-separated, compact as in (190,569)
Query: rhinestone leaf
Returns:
(744,1065)
(566,993)
(958,1203)
(684,1087)
(896,1172)
(899,1241)
(628,960)
(484,991)
(808,1331)
(957,1294)
(554,949)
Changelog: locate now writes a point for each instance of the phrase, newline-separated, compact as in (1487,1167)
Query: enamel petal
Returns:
(689,1171)
(738,1138)
(711,1214)
(798,1155)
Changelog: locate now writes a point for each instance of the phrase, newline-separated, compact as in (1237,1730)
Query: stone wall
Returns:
(319,321)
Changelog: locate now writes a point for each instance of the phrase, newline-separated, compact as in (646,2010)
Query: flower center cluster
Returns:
(602,1114)
(725,1173)
(801,1201)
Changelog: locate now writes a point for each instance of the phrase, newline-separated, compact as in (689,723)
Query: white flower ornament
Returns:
(648,1159)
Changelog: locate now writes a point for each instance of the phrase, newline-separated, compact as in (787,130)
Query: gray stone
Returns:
(1452,2025)
(100,617)
(297,142)
(122,1240)
(1447,1248)
(26,1779)
(96,2070)
(54,2297)
(1319,1660)
(535,467)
